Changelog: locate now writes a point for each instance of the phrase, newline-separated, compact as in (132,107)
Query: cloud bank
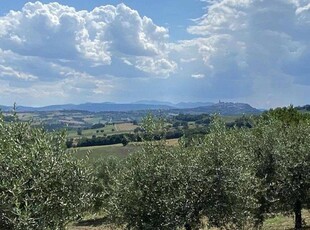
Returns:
(259,47)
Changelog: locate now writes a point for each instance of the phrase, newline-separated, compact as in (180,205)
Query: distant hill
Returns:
(152,102)
(188,105)
(5,108)
(91,107)
(303,108)
(225,108)
(180,105)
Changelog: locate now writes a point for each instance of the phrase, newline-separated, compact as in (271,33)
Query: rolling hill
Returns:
(223,108)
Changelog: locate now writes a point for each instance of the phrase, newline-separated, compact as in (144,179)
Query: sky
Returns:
(77,51)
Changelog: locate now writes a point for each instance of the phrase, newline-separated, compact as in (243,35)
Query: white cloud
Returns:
(197,76)
(161,67)
(7,71)
(132,35)
(55,31)
(76,84)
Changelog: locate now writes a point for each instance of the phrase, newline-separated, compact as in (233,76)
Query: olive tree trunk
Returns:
(298,218)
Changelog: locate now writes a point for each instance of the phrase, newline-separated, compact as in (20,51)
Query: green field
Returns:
(95,153)
(107,130)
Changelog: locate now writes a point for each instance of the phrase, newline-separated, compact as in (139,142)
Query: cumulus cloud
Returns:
(132,35)
(56,31)
(161,67)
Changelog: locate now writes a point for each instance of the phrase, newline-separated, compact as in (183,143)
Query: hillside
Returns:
(180,105)
(223,108)
(91,107)
(305,108)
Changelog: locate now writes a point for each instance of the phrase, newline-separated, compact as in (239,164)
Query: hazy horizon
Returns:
(150,102)
(74,51)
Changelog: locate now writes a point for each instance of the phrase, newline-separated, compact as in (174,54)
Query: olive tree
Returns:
(41,185)
(294,170)
(279,145)
(225,169)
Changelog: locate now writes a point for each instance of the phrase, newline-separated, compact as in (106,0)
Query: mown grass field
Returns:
(95,153)
(125,127)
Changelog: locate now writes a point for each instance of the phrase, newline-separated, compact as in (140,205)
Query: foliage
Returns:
(235,177)
(107,140)
(279,145)
(79,131)
(287,115)
(244,121)
(97,126)
(225,168)
(41,185)
(199,119)
(150,192)
(106,171)
(294,170)
(164,187)
(305,107)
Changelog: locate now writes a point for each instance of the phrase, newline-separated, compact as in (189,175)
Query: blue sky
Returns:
(253,51)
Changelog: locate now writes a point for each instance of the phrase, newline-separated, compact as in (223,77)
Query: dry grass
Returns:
(286,222)
(125,127)
(276,223)
(173,142)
